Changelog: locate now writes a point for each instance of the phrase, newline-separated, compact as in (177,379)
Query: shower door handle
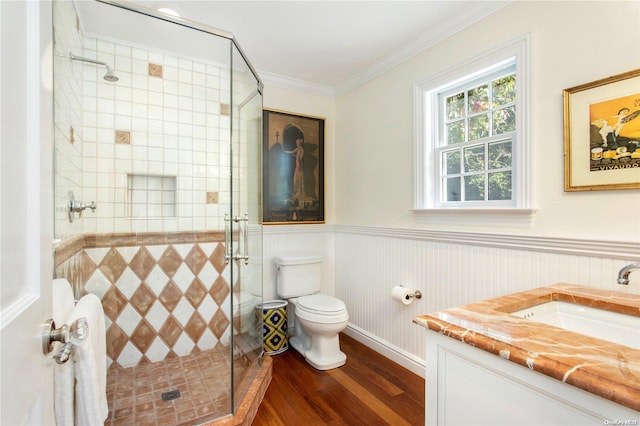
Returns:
(227,238)
(228,252)
(246,238)
(245,234)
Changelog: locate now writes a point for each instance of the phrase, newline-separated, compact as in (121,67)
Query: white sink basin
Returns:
(592,322)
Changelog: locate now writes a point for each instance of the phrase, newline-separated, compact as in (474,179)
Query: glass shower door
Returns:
(246,223)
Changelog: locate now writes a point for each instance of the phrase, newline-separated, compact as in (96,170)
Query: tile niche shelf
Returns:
(151,195)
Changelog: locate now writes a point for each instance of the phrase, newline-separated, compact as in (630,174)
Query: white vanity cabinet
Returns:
(467,386)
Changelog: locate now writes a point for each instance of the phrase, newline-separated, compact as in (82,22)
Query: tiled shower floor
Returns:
(135,394)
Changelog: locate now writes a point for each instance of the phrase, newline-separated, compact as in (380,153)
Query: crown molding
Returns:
(284,82)
(472,14)
(436,34)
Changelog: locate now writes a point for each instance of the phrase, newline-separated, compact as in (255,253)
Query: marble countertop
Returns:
(606,369)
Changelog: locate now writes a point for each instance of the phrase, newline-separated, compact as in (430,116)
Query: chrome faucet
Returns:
(74,207)
(623,275)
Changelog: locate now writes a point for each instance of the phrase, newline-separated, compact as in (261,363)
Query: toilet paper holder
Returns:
(416,294)
(405,294)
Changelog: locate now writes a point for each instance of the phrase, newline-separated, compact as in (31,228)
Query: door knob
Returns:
(76,334)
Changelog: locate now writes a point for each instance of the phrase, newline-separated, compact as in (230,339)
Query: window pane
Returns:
(455,132)
(479,126)
(500,155)
(504,90)
(504,120)
(452,188)
(474,188)
(479,99)
(452,162)
(474,159)
(500,186)
(455,106)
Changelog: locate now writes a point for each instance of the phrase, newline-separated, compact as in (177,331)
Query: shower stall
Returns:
(157,205)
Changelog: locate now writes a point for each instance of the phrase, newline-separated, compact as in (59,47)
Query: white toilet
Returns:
(318,317)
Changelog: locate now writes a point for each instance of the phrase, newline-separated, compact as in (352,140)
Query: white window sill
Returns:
(507,217)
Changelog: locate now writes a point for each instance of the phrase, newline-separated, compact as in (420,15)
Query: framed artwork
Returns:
(293,168)
(602,134)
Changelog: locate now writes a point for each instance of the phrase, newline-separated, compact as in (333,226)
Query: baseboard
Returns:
(394,353)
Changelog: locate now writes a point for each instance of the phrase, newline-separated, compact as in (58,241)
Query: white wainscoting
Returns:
(297,240)
(450,268)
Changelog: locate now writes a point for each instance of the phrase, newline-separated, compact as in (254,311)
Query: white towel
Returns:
(62,307)
(91,364)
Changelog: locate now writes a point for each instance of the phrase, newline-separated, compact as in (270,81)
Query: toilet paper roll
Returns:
(402,294)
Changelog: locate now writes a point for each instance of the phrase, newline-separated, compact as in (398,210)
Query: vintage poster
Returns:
(615,134)
(293,161)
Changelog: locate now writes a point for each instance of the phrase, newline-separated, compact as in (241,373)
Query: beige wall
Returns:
(571,43)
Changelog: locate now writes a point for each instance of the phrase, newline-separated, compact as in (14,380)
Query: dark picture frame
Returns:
(602,134)
(293,168)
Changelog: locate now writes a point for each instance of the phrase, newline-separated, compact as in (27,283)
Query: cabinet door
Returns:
(468,386)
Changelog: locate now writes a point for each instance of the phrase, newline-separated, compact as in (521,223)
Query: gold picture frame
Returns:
(293,168)
(602,134)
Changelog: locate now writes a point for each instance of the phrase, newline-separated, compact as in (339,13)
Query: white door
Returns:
(26,212)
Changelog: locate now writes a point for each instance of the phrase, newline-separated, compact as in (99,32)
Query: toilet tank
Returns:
(298,276)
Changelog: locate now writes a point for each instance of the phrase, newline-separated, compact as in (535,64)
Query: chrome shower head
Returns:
(109,76)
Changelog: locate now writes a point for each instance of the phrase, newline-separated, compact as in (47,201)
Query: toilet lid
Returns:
(321,304)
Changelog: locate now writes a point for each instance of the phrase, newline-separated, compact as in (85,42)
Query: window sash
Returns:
(442,174)
(443,145)
(484,78)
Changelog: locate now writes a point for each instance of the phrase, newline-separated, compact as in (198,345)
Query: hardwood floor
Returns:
(368,390)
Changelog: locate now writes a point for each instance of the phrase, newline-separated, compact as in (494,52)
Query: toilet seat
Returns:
(321,308)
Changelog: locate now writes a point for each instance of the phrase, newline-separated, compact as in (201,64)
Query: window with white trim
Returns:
(471,134)
(476,132)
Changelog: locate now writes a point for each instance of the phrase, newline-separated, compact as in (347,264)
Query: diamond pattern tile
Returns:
(157,280)
(196,292)
(160,301)
(130,355)
(208,274)
(183,311)
(128,283)
(170,331)
(97,284)
(184,345)
(142,263)
(196,259)
(142,299)
(129,319)
(142,336)
(157,351)
(113,303)
(112,265)
(170,296)
(220,290)
(157,315)
(195,327)
(88,267)
(217,258)
(183,277)
(219,324)
(116,340)
(97,253)
(170,261)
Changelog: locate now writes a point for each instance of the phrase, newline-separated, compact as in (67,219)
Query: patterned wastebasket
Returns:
(274,326)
